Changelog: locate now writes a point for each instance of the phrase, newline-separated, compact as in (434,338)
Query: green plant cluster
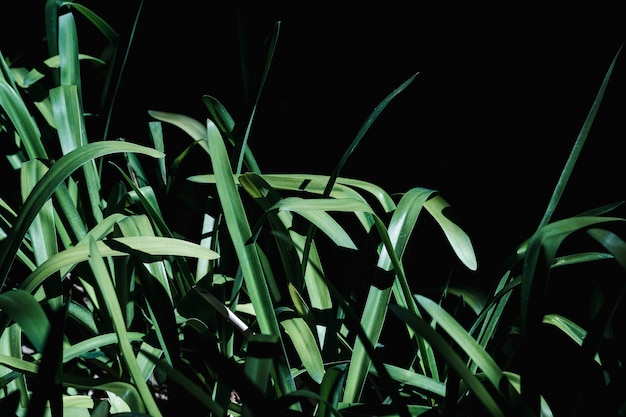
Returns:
(107,308)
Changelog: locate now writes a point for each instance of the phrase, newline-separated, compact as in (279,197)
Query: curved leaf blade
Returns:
(44,189)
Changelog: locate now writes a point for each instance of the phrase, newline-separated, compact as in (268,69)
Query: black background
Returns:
(502,92)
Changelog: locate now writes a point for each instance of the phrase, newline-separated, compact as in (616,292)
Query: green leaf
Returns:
(458,239)
(219,115)
(315,210)
(97,342)
(156,134)
(68,51)
(42,231)
(373,318)
(363,130)
(580,142)
(68,117)
(35,75)
(331,388)
(149,245)
(28,314)
(240,232)
(103,27)
(44,189)
(315,184)
(546,242)
(420,382)
(196,130)
(463,339)
(23,122)
(453,360)
(105,284)
(305,344)
(571,329)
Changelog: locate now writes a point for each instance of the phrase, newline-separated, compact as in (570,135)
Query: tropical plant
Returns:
(282,292)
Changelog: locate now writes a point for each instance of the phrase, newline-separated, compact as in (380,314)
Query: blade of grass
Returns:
(460,242)
(68,116)
(44,189)
(361,133)
(107,289)
(242,148)
(240,233)
(42,231)
(122,246)
(578,145)
(24,124)
(11,346)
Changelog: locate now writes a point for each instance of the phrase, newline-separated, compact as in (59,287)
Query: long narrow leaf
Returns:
(149,245)
(107,289)
(242,148)
(364,129)
(23,122)
(315,184)
(241,233)
(47,186)
(400,229)
(578,145)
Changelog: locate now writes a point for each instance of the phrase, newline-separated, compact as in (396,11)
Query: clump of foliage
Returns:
(108,309)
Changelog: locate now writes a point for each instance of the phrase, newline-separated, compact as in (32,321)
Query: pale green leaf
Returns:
(54,178)
(150,245)
(196,130)
(105,284)
(306,346)
(439,208)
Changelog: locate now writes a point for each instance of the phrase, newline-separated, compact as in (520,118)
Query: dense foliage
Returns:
(283,293)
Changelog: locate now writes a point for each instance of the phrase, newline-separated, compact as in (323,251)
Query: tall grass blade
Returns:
(363,130)
(196,130)
(44,189)
(42,232)
(460,242)
(578,145)
(240,233)
(107,289)
(25,126)
(373,318)
(331,388)
(68,107)
(241,148)
(361,133)
(11,344)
